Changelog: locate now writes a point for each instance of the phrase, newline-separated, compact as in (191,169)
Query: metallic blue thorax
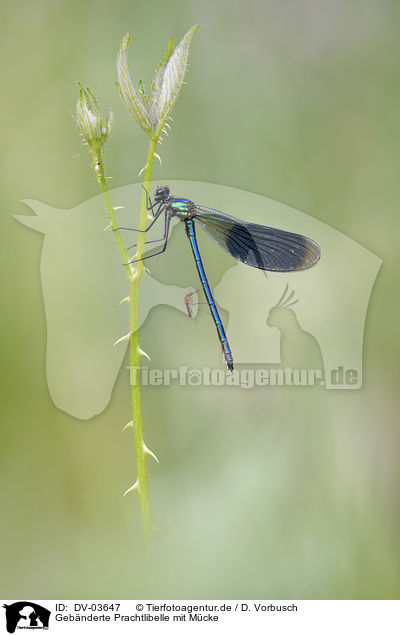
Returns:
(180,207)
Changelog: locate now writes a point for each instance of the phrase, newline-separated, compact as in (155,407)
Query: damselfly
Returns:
(259,246)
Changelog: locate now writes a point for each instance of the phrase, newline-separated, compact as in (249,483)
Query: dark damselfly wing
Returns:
(257,245)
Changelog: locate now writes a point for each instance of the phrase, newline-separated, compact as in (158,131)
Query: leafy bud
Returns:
(151,111)
(94,129)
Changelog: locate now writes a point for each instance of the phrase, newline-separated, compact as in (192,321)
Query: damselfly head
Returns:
(161,194)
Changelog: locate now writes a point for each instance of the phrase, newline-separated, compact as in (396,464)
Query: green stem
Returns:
(99,169)
(135,352)
(135,274)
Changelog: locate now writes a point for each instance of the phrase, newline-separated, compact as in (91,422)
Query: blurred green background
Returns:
(259,494)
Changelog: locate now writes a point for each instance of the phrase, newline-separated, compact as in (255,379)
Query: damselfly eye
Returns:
(161,194)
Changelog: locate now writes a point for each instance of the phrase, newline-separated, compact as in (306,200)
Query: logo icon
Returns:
(26,615)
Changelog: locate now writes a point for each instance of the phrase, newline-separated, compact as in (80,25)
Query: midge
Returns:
(189,301)
(259,246)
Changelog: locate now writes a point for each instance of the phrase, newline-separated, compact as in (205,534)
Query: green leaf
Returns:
(156,82)
(150,113)
(172,79)
(133,100)
(144,97)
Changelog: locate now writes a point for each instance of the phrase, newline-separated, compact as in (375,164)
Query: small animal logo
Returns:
(194,377)
(299,349)
(26,615)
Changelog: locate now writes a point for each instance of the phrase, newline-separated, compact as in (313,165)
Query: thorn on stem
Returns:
(143,169)
(126,337)
(142,353)
(125,300)
(149,452)
(129,425)
(135,486)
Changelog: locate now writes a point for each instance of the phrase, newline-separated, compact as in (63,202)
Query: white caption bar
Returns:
(279,618)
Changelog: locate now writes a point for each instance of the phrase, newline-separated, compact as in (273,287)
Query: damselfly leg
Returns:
(135,229)
(167,221)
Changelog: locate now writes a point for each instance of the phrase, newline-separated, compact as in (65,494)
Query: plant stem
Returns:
(135,273)
(99,169)
(135,353)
